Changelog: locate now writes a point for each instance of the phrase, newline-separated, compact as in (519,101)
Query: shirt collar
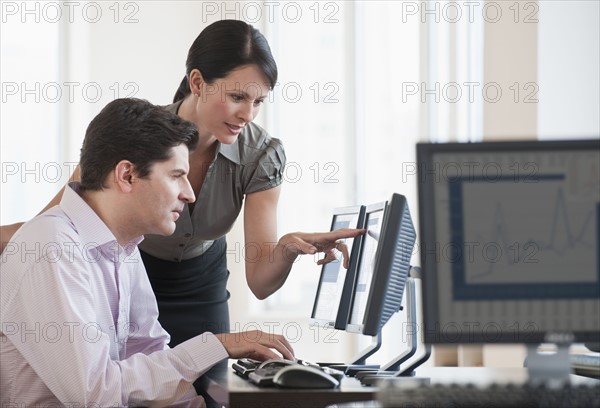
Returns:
(230,151)
(89,226)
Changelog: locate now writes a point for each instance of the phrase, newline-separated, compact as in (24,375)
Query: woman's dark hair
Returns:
(135,130)
(224,46)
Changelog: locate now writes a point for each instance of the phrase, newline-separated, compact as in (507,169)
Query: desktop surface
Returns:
(436,381)
(230,390)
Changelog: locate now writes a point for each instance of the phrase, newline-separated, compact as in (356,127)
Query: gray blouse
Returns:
(254,162)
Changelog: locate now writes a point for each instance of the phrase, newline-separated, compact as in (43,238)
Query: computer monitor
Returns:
(332,300)
(510,241)
(383,265)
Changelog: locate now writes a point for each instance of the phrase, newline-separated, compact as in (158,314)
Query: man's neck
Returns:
(112,212)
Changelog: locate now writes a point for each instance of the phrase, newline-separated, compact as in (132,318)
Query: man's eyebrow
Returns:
(179,171)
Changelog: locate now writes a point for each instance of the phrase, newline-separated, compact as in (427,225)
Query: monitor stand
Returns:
(548,367)
(359,363)
(411,329)
(395,368)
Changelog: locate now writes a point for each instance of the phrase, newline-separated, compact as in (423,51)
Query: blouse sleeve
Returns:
(267,171)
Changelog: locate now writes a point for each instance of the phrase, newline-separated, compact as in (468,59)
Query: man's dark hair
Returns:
(135,130)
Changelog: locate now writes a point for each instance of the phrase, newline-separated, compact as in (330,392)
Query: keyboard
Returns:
(244,366)
(499,395)
(263,373)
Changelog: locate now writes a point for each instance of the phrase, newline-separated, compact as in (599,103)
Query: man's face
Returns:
(161,196)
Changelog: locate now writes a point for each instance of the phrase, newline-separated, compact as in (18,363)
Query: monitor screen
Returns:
(332,300)
(510,241)
(383,265)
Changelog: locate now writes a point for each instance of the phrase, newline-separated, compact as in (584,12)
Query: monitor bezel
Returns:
(344,303)
(427,226)
(358,327)
(395,211)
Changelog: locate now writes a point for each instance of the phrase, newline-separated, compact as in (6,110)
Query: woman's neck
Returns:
(207,142)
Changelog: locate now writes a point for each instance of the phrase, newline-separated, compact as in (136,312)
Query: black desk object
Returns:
(230,390)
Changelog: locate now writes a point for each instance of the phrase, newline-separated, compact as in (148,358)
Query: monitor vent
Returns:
(404,243)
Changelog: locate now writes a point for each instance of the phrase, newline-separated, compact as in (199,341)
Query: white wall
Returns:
(106,50)
(545,57)
(569,69)
(141,53)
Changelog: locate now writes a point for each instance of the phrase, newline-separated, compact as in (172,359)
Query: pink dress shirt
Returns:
(78,320)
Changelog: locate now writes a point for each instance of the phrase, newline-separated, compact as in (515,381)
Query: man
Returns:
(78,318)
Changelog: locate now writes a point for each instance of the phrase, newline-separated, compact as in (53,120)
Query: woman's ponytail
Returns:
(182,91)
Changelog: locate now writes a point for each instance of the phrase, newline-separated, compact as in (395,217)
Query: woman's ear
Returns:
(196,82)
(125,175)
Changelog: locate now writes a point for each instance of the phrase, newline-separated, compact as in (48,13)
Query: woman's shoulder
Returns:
(255,136)
(254,142)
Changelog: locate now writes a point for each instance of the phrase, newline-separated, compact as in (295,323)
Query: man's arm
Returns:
(147,335)
(80,365)
(73,330)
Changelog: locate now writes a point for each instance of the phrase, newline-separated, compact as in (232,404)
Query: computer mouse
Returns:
(301,376)
(268,368)
(275,363)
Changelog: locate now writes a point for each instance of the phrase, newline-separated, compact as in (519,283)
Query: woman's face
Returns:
(225,106)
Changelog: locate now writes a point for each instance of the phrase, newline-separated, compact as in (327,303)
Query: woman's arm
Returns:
(266,265)
(268,260)
(7,231)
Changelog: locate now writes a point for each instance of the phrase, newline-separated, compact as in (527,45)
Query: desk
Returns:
(229,390)
(478,376)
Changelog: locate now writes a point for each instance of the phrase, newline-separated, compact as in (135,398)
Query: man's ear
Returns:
(125,175)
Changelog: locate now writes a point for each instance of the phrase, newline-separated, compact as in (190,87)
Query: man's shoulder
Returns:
(38,238)
(51,226)
(39,244)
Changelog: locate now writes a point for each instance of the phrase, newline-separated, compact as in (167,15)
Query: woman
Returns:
(229,73)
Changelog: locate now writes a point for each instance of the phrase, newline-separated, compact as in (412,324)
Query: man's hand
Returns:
(256,344)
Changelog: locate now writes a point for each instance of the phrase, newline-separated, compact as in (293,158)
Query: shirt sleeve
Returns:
(267,171)
(146,334)
(77,367)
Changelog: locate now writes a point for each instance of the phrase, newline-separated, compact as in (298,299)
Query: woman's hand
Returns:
(256,344)
(297,243)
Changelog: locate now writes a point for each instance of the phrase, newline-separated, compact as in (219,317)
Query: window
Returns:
(339,108)
(31,112)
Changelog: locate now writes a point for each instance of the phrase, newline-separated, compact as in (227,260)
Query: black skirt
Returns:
(192,295)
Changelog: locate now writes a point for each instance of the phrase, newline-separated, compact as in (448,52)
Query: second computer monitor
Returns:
(332,301)
(383,265)
(510,241)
